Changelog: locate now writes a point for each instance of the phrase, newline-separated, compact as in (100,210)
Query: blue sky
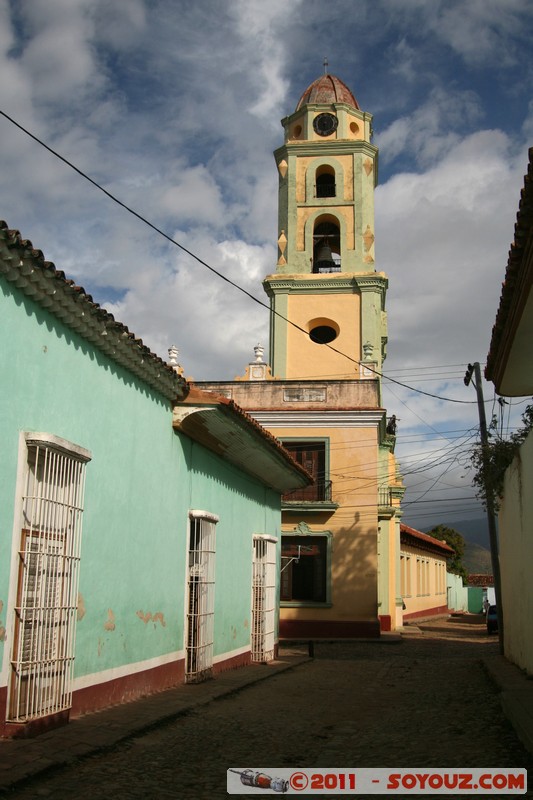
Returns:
(175,108)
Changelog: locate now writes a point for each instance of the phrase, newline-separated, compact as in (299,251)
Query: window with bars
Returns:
(200,599)
(47,582)
(305,569)
(263,598)
(325,182)
(312,455)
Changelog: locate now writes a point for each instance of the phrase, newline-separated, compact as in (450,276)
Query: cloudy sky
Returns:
(175,107)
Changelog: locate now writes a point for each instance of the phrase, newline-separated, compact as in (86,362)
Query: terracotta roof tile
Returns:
(197,396)
(480,580)
(516,264)
(327,89)
(425,539)
(25,265)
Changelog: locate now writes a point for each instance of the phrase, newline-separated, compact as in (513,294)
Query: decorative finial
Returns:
(326,65)
(173,354)
(259,350)
(368,350)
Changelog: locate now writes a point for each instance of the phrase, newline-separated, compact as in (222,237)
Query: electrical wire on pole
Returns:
(475,370)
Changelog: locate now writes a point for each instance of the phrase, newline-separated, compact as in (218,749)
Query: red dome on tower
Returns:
(327,89)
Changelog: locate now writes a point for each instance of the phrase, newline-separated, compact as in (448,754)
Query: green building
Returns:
(139,520)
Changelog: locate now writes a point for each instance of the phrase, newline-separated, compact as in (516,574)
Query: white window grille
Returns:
(200,600)
(49,554)
(263,598)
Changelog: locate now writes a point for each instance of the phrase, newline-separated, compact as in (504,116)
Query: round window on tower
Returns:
(323,331)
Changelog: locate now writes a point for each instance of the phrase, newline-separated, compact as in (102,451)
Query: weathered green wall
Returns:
(475,599)
(142,480)
(244,508)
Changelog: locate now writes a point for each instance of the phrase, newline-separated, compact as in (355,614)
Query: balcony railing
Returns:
(325,190)
(330,266)
(384,496)
(319,492)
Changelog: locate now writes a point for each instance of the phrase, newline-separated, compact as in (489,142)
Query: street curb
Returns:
(386,637)
(22,760)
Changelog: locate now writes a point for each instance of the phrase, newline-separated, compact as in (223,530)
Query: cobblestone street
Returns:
(425,701)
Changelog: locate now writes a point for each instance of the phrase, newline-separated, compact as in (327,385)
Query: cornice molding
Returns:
(307,108)
(377,280)
(319,419)
(343,283)
(335,147)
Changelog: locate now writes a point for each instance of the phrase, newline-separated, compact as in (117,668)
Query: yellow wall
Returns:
(422,580)
(303,164)
(353,472)
(342,213)
(307,359)
(390,600)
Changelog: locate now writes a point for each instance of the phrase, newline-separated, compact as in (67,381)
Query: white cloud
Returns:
(480,30)
(214,325)
(432,129)
(58,54)
(193,197)
(121,23)
(442,239)
(175,107)
(260,26)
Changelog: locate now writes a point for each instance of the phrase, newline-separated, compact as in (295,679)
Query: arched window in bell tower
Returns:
(326,245)
(325,182)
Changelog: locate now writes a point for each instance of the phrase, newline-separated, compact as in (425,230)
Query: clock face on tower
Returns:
(325,124)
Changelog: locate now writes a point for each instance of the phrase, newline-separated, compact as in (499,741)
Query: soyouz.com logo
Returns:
(486,782)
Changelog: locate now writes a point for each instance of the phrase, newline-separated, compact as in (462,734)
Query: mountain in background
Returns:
(477,558)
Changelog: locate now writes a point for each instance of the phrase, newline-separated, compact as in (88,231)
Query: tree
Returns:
(456,541)
(491,461)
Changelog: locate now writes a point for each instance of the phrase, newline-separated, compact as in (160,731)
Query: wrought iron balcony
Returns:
(330,265)
(325,189)
(384,496)
(319,492)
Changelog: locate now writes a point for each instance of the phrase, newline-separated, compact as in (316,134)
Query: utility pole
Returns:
(474,369)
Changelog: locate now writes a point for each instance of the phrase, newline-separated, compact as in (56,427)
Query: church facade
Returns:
(321,392)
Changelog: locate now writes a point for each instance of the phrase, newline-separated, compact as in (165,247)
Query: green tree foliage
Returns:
(454,539)
(490,462)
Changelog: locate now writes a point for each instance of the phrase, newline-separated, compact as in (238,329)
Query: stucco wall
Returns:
(423,581)
(457,593)
(516,558)
(244,508)
(353,525)
(305,358)
(140,483)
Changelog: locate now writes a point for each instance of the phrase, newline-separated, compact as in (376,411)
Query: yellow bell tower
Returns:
(321,393)
(325,281)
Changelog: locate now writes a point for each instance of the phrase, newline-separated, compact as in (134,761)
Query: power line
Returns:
(203,263)
(434,366)
(442,500)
